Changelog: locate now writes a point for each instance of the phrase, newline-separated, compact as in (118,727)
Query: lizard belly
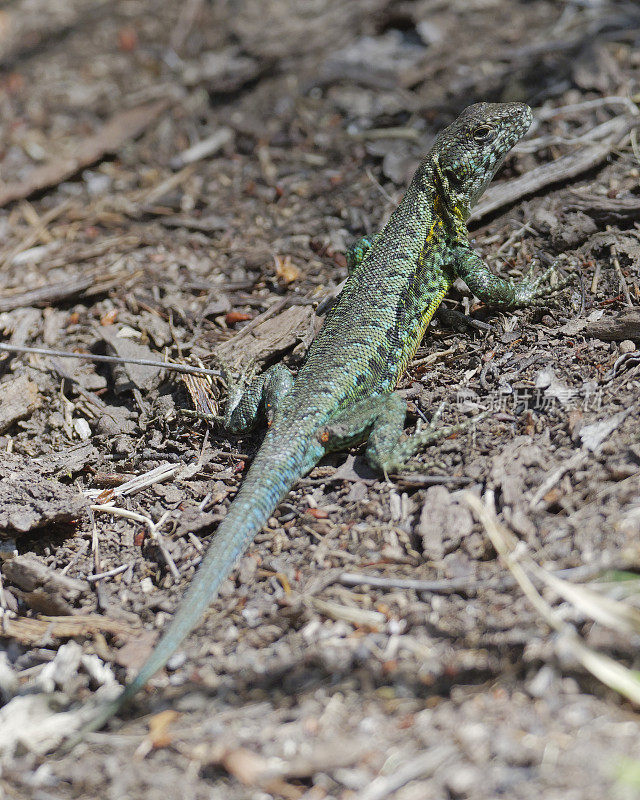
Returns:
(404,355)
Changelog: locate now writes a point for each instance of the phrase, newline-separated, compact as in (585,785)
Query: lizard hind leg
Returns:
(355,424)
(389,448)
(393,458)
(262,394)
(382,418)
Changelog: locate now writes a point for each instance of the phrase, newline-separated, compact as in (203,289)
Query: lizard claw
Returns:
(536,291)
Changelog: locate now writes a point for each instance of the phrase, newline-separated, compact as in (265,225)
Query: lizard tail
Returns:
(271,476)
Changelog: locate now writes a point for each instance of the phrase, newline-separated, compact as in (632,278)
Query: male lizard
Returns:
(343,393)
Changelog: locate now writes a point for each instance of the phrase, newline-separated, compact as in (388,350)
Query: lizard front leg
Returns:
(356,253)
(381,419)
(495,291)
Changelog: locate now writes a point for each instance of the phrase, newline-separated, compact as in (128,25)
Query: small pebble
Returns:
(176,661)
(82,428)
(541,683)
(627,346)
(463,779)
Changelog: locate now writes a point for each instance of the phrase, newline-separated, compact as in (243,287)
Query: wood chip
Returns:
(625,325)
(443,523)
(594,435)
(606,209)
(204,148)
(131,376)
(159,735)
(286,270)
(43,589)
(27,25)
(271,337)
(87,285)
(32,631)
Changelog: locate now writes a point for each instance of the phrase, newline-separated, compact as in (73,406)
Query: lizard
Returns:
(343,393)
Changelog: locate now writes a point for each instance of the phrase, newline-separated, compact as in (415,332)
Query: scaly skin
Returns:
(343,392)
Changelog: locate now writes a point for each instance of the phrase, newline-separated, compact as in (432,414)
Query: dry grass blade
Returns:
(614,614)
(613,674)
(419,766)
(501,540)
(355,616)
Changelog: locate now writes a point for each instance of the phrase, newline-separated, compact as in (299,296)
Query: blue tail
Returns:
(275,469)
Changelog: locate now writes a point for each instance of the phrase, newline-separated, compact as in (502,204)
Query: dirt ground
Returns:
(180,180)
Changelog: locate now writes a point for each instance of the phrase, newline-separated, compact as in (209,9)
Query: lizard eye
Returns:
(483,134)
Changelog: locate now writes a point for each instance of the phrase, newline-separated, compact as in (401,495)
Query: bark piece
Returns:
(625,325)
(30,25)
(32,631)
(29,500)
(132,376)
(67,462)
(606,209)
(43,589)
(443,523)
(272,337)
(89,285)
(19,398)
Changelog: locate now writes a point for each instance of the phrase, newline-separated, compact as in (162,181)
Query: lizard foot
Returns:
(393,458)
(536,291)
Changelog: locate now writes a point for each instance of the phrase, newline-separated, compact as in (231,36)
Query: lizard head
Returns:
(469,152)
